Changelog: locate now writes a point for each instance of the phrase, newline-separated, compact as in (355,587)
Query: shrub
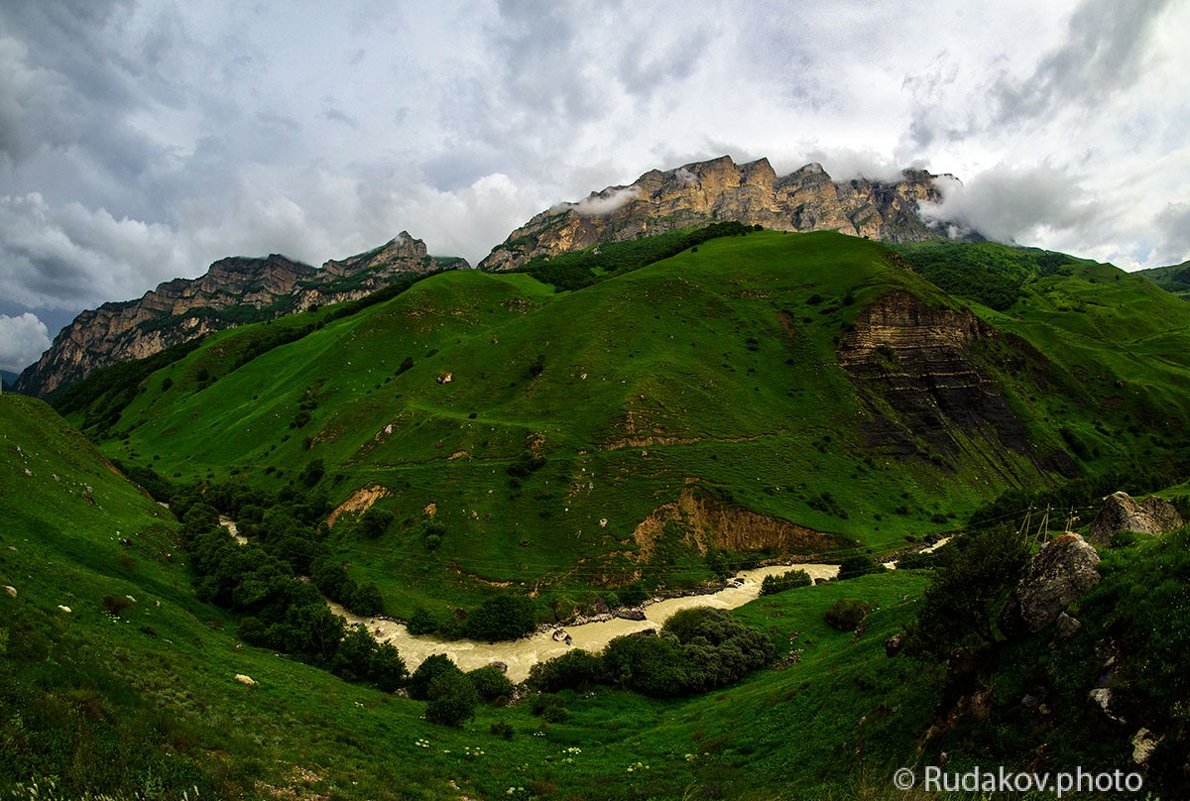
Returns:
(353,659)
(422,621)
(434,666)
(387,670)
(632,595)
(847,614)
(505,617)
(365,601)
(374,523)
(330,577)
(452,699)
(573,670)
(492,686)
(312,473)
(858,565)
(115,604)
(974,577)
(551,708)
(786,581)
(918,560)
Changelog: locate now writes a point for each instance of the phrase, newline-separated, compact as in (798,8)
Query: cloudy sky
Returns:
(142,139)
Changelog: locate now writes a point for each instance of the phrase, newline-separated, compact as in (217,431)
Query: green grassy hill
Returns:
(754,396)
(1175,278)
(132,692)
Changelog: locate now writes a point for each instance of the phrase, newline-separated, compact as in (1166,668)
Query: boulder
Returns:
(1101,700)
(245,680)
(631,614)
(1063,570)
(893,645)
(8,588)
(1144,743)
(500,666)
(1067,626)
(1121,512)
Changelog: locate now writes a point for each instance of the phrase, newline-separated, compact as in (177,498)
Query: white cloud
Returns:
(607,201)
(22,341)
(1173,224)
(1013,205)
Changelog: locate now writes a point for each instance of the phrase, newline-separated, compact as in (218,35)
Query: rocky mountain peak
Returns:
(233,291)
(703,192)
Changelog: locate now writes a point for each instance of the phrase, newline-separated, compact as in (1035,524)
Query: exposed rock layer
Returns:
(718,190)
(914,366)
(233,291)
(706,522)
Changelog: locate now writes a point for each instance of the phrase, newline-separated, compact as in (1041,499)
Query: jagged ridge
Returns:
(232,292)
(717,190)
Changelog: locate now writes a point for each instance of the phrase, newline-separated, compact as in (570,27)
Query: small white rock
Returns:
(245,679)
(10,590)
(65,609)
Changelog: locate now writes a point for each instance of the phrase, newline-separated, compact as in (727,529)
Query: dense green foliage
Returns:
(697,650)
(452,699)
(847,614)
(431,668)
(984,272)
(505,617)
(785,581)
(973,578)
(859,564)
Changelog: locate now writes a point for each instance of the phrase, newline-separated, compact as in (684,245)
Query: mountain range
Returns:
(238,290)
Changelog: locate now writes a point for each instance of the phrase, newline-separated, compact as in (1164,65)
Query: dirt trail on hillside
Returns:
(522,654)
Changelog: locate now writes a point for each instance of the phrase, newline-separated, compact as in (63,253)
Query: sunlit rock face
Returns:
(232,292)
(720,190)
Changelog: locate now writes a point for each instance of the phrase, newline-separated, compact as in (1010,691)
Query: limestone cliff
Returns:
(717,190)
(232,292)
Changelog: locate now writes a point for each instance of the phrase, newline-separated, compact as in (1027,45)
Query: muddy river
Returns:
(522,654)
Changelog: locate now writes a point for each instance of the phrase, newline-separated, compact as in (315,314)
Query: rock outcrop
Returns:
(917,370)
(718,190)
(1121,512)
(1064,569)
(232,292)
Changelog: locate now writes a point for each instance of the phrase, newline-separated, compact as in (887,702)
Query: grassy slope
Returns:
(688,375)
(1175,278)
(105,705)
(1119,347)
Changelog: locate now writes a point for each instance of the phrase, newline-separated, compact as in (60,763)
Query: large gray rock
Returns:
(1122,512)
(1063,570)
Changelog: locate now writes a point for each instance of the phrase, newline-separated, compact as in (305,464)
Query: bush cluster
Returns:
(785,581)
(697,650)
